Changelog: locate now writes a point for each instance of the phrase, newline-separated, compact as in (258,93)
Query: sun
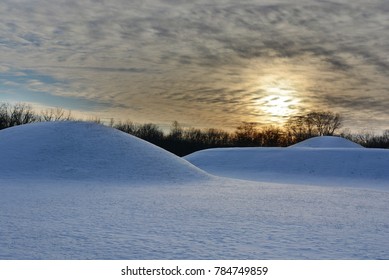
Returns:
(278,99)
(276,90)
(279,102)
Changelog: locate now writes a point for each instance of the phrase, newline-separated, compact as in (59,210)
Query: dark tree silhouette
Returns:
(55,114)
(247,135)
(12,115)
(302,127)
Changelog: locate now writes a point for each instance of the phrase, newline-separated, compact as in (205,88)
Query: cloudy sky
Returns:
(205,63)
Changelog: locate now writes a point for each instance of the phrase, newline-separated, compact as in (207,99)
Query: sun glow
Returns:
(279,99)
(279,102)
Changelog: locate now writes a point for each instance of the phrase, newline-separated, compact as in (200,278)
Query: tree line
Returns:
(18,114)
(182,141)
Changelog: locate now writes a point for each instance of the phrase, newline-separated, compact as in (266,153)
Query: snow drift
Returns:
(319,161)
(86,151)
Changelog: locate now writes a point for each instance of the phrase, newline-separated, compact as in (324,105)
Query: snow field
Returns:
(217,220)
(83,191)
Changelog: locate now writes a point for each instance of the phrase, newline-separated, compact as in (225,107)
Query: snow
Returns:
(87,151)
(132,200)
(326,142)
(324,161)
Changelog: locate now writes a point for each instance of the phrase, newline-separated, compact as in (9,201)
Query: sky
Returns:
(205,63)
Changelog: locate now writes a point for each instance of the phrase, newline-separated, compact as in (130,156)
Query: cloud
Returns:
(203,61)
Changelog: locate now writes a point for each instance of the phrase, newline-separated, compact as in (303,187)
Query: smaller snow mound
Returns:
(327,142)
(316,166)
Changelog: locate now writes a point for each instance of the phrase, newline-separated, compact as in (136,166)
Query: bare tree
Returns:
(272,136)
(323,123)
(127,127)
(195,135)
(149,132)
(247,134)
(176,132)
(298,129)
(4,116)
(12,115)
(55,114)
(22,114)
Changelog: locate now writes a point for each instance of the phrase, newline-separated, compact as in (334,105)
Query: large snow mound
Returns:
(326,142)
(86,151)
(302,165)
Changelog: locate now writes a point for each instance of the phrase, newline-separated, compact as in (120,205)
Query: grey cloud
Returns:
(98,69)
(199,52)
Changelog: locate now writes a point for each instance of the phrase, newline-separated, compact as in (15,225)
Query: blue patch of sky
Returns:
(24,76)
(14,88)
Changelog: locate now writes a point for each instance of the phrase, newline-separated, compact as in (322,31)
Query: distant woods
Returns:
(12,115)
(182,141)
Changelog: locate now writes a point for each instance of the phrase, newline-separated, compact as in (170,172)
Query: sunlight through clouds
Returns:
(279,103)
(202,63)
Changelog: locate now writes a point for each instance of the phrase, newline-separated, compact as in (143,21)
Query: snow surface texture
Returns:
(187,214)
(320,161)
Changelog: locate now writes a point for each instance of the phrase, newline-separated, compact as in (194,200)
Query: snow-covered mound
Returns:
(334,163)
(86,151)
(326,142)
